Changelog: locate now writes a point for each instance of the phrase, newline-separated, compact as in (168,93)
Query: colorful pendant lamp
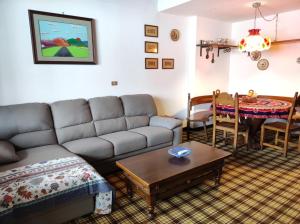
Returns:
(254,41)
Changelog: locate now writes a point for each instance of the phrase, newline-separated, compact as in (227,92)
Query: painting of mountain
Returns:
(63,39)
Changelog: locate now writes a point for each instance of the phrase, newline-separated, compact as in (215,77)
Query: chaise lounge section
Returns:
(100,130)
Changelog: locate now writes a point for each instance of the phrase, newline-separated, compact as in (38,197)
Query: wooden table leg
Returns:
(254,125)
(128,187)
(151,203)
(217,175)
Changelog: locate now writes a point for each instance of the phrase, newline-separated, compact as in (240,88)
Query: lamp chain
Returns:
(268,20)
(276,26)
(255,15)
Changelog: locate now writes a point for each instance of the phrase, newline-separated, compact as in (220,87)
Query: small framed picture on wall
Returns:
(151,47)
(168,63)
(151,63)
(151,30)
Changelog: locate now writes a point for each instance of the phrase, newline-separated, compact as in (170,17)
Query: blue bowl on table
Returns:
(180,152)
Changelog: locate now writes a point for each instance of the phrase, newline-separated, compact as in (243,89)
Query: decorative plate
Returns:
(263,64)
(255,55)
(179,151)
(175,35)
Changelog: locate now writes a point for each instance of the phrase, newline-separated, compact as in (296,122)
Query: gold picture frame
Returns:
(151,63)
(168,63)
(151,47)
(151,30)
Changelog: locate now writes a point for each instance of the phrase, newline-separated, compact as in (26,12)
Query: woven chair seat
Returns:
(229,125)
(281,126)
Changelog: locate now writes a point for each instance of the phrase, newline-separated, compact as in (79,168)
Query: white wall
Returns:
(283,75)
(120,40)
(210,76)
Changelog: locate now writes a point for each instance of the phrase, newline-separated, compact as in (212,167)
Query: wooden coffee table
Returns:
(157,175)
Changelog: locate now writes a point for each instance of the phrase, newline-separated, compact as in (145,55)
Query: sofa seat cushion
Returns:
(155,135)
(91,148)
(125,141)
(37,154)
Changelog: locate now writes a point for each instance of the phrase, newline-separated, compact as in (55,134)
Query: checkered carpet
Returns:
(256,187)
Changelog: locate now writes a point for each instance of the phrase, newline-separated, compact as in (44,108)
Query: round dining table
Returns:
(255,113)
(263,108)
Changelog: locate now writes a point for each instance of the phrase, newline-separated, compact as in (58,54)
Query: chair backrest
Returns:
(197,100)
(224,98)
(292,110)
(251,93)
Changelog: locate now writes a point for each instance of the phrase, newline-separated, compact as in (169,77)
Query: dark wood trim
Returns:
(285,41)
(58,15)
(31,13)
(33,40)
(201,100)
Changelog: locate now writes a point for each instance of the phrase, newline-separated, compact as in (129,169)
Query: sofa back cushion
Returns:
(27,125)
(72,120)
(138,109)
(108,114)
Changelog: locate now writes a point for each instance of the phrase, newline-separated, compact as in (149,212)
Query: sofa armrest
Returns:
(166,122)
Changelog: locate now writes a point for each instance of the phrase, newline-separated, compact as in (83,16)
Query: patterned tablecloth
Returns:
(263,108)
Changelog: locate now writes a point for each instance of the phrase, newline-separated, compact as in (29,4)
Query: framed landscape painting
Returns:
(62,39)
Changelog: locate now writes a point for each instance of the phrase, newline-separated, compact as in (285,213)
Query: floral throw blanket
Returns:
(53,180)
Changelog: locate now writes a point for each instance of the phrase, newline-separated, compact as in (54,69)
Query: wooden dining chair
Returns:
(228,123)
(251,92)
(287,128)
(199,116)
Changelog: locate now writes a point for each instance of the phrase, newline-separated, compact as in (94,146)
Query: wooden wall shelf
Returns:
(225,46)
(285,41)
(218,46)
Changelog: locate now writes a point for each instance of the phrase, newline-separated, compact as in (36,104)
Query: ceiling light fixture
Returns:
(254,41)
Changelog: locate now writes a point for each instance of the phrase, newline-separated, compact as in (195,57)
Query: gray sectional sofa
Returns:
(101,130)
